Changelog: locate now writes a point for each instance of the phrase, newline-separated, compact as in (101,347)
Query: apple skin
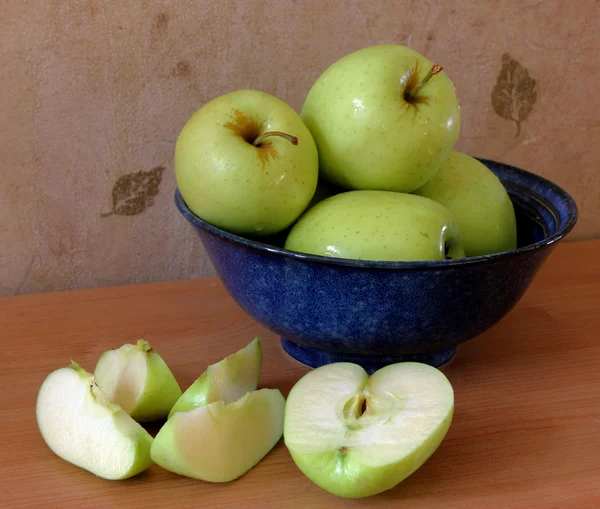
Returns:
(478,200)
(227,380)
(138,379)
(367,135)
(356,436)
(324,190)
(377,225)
(234,185)
(218,442)
(81,425)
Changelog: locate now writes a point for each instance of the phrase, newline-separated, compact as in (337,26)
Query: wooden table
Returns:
(526,431)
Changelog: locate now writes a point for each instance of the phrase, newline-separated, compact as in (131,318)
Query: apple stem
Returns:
(292,139)
(143,345)
(436,69)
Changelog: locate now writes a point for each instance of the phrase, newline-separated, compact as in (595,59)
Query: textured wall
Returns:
(93,94)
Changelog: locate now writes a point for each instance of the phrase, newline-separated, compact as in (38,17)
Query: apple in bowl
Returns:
(379,226)
(246,162)
(383,118)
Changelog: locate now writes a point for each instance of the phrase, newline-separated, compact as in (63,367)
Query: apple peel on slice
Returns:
(84,427)
(355,435)
(227,380)
(218,442)
(139,380)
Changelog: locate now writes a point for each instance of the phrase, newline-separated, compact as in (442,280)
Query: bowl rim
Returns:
(395,265)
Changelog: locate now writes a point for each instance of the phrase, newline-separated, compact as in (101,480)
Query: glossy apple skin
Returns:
(367,135)
(478,200)
(377,225)
(234,185)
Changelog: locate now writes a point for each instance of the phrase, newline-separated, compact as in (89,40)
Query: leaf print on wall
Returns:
(133,193)
(515,92)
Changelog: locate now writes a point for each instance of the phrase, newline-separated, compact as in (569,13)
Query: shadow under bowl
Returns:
(377,313)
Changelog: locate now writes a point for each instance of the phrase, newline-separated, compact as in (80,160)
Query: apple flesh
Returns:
(355,435)
(218,442)
(383,118)
(227,380)
(377,225)
(138,379)
(478,200)
(232,176)
(81,425)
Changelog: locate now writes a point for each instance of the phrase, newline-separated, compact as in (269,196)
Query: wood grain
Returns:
(526,432)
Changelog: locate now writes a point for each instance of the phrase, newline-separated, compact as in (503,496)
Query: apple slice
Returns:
(139,380)
(82,426)
(355,435)
(227,380)
(218,442)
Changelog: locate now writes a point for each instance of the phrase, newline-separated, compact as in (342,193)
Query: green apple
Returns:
(478,200)
(139,380)
(218,442)
(355,435)
(377,225)
(245,162)
(83,426)
(227,380)
(384,118)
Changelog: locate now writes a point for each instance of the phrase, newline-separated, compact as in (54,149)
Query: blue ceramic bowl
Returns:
(376,313)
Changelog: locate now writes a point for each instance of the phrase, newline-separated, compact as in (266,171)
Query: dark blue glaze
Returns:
(377,313)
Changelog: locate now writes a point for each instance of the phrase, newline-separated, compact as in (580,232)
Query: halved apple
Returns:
(355,435)
(227,380)
(219,442)
(139,380)
(84,427)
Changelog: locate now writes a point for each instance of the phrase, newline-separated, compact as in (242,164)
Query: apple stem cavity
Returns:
(292,139)
(410,95)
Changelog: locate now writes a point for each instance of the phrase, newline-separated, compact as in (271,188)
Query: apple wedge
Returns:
(227,380)
(355,435)
(82,426)
(218,442)
(139,380)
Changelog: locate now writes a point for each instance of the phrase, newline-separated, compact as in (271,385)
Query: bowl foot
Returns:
(315,357)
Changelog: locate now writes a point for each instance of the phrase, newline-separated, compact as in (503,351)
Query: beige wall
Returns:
(92,91)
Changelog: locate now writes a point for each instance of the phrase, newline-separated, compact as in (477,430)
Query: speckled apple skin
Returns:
(235,185)
(478,201)
(368,136)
